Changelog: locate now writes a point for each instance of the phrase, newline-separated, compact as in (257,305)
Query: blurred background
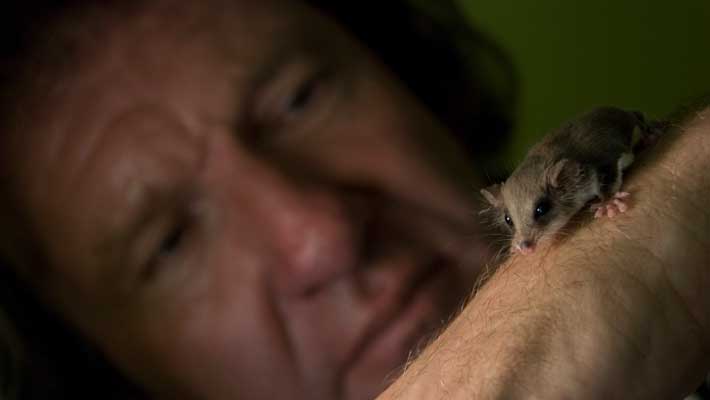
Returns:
(648,55)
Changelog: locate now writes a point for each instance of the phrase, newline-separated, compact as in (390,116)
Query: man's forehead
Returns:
(133,59)
(124,71)
(169,19)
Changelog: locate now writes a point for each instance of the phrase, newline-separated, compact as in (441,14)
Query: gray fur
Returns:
(579,162)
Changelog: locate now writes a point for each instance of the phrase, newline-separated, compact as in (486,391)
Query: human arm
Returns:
(619,310)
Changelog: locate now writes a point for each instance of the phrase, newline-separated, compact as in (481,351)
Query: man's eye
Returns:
(294,104)
(303,96)
(305,104)
(167,251)
(172,242)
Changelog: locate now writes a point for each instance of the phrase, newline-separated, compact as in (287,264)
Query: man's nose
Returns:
(316,239)
(306,233)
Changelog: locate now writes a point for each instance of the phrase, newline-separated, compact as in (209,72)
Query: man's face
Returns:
(237,202)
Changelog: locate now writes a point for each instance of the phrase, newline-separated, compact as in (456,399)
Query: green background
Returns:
(649,55)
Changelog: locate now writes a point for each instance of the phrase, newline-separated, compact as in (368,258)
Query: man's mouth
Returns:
(408,318)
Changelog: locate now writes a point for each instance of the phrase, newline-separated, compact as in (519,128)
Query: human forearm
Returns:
(618,310)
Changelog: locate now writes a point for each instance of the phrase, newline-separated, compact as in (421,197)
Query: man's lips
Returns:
(402,318)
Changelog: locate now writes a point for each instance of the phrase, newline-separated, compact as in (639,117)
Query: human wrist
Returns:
(673,224)
(578,322)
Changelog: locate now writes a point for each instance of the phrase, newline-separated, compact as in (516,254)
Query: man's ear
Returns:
(492,195)
(564,170)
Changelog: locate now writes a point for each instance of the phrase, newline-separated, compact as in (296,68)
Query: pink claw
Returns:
(610,212)
(599,213)
(612,207)
(620,205)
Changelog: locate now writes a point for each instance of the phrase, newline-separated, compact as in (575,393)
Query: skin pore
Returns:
(234,200)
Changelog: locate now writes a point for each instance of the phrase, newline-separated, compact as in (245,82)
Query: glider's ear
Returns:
(563,171)
(492,195)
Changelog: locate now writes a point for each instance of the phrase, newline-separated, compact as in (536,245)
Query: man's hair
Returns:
(462,76)
(464,79)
